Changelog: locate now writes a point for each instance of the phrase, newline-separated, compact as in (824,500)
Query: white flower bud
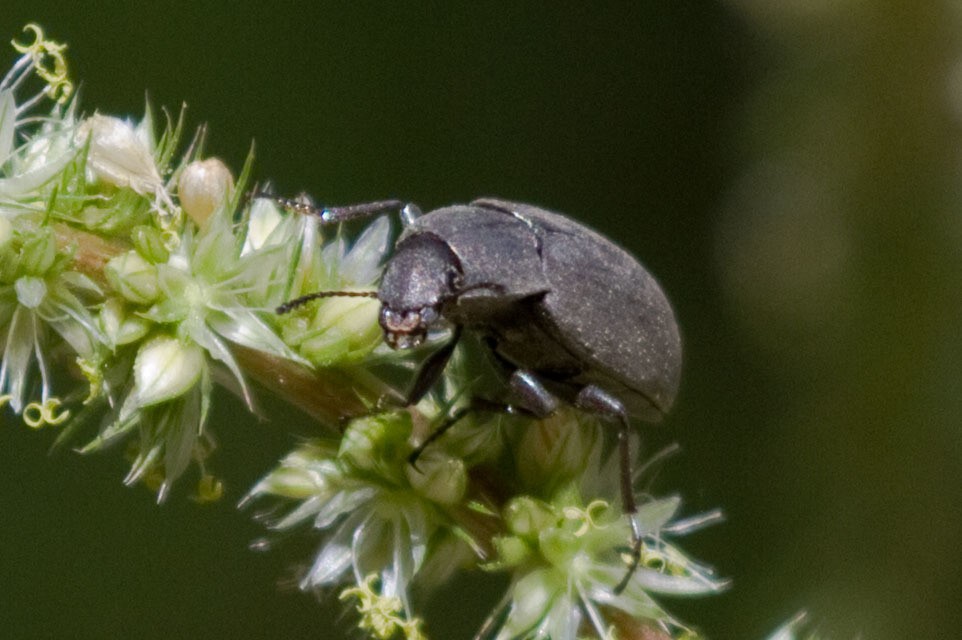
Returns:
(166,368)
(264,219)
(119,157)
(203,188)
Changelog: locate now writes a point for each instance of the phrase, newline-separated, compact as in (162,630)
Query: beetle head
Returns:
(418,280)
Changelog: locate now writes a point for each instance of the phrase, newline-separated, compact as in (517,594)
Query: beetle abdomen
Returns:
(603,307)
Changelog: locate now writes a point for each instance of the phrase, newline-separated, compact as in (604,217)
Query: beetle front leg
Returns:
(596,400)
(536,400)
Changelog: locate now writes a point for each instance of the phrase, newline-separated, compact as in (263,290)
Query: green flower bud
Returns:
(558,545)
(377,443)
(439,478)
(511,551)
(38,253)
(294,484)
(343,329)
(526,516)
(133,277)
(119,326)
(203,188)
(149,243)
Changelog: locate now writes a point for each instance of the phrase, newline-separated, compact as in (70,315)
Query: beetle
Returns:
(571,315)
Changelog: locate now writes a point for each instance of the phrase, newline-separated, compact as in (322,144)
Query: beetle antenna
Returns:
(290,305)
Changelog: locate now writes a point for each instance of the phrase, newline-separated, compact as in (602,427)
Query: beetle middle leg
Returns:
(596,400)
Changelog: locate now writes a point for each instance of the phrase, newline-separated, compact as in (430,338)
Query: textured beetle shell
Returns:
(606,309)
(553,297)
(562,301)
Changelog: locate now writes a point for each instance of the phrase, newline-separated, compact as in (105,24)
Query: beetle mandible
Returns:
(570,314)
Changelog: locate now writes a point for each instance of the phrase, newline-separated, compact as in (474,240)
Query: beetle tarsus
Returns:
(437,433)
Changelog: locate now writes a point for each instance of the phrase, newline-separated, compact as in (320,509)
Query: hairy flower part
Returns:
(46,59)
(27,171)
(376,521)
(44,304)
(120,155)
(380,615)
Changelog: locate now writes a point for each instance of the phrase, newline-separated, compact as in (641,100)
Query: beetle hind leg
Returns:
(596,400)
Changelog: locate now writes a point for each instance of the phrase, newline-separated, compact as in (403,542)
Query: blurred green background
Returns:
(789,171)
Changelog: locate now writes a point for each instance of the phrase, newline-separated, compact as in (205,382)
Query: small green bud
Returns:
(558,545)
(376,443)
(439,478)
(511,551)
(203,188)
(527,516)
(343,328)
(264,219)
(149,242)
(133,277)
(38,253)
(119,326)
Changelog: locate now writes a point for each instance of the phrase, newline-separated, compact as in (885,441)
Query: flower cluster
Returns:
(384,521)
(137,279)
(129,265)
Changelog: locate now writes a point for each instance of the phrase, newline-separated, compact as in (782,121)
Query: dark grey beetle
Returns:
(569,313)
